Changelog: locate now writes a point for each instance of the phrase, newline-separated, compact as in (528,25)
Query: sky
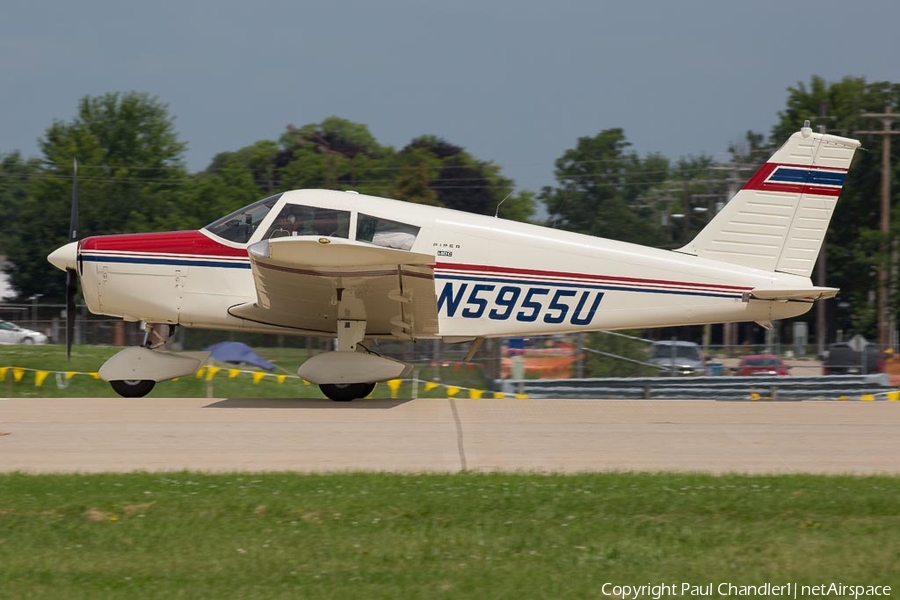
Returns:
(515,82)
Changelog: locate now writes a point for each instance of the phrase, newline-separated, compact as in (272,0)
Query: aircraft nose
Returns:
(65,257)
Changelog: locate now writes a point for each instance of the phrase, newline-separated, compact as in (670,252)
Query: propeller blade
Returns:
(73,218)
(71,274)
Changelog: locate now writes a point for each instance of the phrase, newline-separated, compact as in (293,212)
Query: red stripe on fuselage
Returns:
(169,242)
(587,276)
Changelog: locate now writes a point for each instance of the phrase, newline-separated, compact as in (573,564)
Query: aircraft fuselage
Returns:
(491,277)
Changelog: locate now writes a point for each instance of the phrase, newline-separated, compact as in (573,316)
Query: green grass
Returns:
(87,359)
(189,535)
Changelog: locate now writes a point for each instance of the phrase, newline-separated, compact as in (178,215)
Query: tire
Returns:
(28,341)
(345,392)
(132,388)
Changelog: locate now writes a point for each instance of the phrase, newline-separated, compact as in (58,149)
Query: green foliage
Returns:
(413,186)
(340,154)
(599,187)
(485,535)
(131,178)
(16,176)
(225,186)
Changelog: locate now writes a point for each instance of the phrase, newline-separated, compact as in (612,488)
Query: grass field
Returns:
(87,359)
(190,535)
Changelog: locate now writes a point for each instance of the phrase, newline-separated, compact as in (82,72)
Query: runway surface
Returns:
(116,435)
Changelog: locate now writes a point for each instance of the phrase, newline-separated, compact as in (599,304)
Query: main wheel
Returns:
(132,388)
(345,392)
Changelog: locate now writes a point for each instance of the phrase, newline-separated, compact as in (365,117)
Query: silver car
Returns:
(678,358)
(10,333)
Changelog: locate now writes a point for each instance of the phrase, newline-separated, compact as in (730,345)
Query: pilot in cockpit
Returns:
(294,220)
(282,226)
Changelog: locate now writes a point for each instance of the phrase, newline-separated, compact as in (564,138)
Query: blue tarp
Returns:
(238,353)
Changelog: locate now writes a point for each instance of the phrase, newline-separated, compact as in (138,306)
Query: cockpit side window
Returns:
(384,232)
(296,219)
(239,226)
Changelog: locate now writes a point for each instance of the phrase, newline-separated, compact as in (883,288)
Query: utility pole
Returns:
(884,318)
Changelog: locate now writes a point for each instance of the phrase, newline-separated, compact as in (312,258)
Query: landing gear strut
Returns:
(156,335)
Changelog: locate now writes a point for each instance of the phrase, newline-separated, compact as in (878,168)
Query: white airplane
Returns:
(357,268)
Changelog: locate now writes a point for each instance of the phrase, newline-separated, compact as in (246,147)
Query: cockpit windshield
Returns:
(240,225)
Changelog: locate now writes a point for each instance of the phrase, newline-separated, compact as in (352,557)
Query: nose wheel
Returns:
(132,388)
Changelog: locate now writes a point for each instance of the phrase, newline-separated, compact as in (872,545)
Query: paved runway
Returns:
(94,435)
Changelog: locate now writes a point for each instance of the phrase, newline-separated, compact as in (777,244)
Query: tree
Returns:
(17,176)
(131,178)
(462,182)
(225,186)
(599,186)
(412,186)
(340,154)
(334,154)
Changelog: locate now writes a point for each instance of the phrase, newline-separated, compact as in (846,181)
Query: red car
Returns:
(762,364)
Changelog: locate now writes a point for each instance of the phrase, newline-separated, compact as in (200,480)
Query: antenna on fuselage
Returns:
(497,212)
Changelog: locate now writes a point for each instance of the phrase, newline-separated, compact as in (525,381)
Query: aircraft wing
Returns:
(804,294)
(309,283)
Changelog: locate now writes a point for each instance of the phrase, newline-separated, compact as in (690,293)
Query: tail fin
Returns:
(777,221)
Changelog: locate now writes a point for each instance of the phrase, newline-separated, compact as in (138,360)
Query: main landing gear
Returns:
(347,374)
(345,392)
(132,388)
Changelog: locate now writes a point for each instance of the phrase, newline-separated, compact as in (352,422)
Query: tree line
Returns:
(133,178)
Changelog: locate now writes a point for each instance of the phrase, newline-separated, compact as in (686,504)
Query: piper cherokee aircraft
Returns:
(359,268)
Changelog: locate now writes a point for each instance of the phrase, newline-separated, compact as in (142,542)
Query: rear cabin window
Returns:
(386,233)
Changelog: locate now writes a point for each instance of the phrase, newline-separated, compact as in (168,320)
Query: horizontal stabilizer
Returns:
(806,294)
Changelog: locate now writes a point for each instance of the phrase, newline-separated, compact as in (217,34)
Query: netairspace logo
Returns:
(788,590)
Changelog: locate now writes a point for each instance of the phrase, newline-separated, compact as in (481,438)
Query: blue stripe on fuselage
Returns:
(142,260)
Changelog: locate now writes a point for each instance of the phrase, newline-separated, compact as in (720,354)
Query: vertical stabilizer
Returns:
(778,220)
